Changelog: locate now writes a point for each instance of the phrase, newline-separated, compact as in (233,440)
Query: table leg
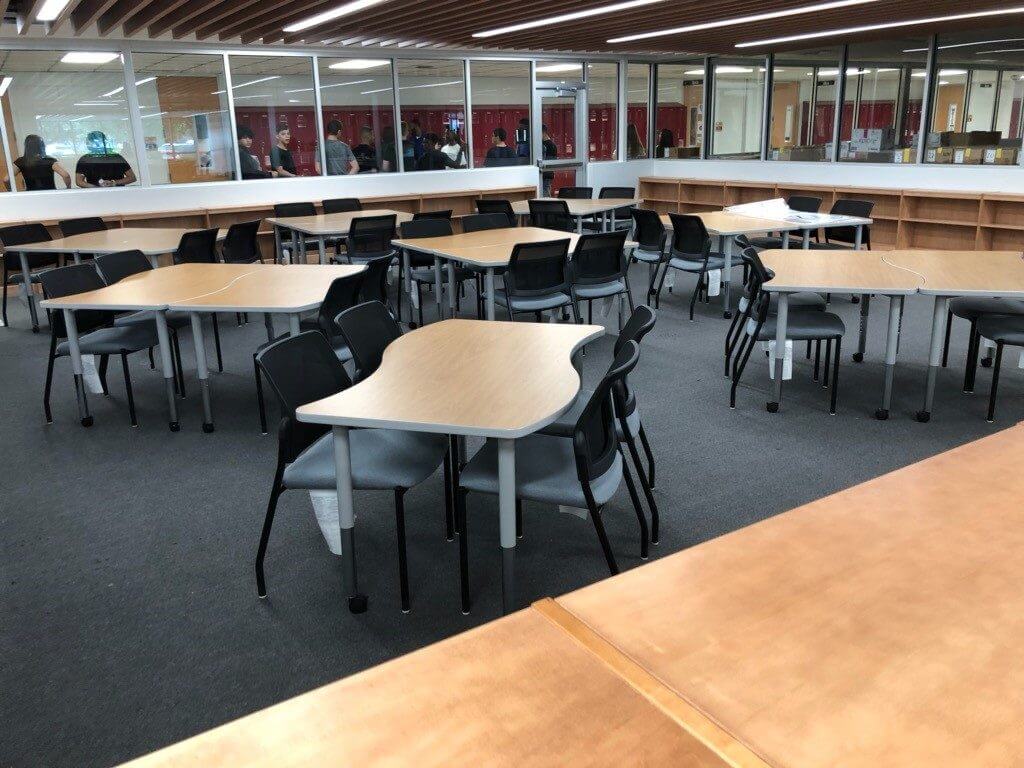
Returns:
(346,520)
(26,276)
(268,322)
(785,240)
(507,521)
(167,367)
(451,289)
(293,324)
(303,259)
(76,365)
(294,255)
(322,247)
(862,341)
(407,277)
(77,256)
(611,216)
(858,235)
(201,369)
(438,286)
(579,225)
(891,350)
(934,356)
(782,318)
(807,240)
(278,253)
(489,287)
(726,275)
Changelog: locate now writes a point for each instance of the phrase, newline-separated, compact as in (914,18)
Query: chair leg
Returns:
(128,388)
(460,512)
(216,343)
(737,373)
(609,556)
(104,360)
(945,343)
(179,372)
(403,563)
(49,377)
(817,358)
(519,518)
(419,302)
(152,363)
(449,500)
(696,290)
(835,376)
(574,307)
(642,433)
(645,485)
(995,382)
(637,506)
(971,368)
(268,522)
(5,286)
(828,363)
(808,355)
(261,404)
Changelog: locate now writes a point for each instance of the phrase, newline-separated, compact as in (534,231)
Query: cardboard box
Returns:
(937,139)
(891,156)
(811,153)
(968,155)
(1000,156)
(939,155)
(1011,143)
(975,139)
(872,139)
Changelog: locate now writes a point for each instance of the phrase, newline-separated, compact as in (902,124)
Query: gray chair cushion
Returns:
(597,291)
(382,459)
(533,303)
(649,257)
(1009,329)
(545,472)
(804,300)
(972,309)
(175,319)
(801,326)
(714,262)
(110,341)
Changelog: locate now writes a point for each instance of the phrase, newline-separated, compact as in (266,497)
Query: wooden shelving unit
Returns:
(903,218)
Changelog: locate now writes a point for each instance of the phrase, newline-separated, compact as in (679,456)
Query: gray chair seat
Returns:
(804,300)
(110,341)
(648,257)
(801,326)
(768,243)
(1008,329)
(715,261)
(563,426)
(545,472)
(362,258)
(972,309)
(598,291)
(175,319)
(382,459)
(533,303)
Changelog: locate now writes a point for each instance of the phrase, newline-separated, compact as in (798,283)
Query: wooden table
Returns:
(581,209)
(497,380)
(855,272)
(152,241)
(957,273)
(487,249)
(321,227)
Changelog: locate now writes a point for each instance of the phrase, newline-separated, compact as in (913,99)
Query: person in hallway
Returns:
(550,152)
(281,161)
(37,168)
(418,140)
(634,146)
(409,146)
(455,149)
(433,159)
(523,139)
(250,163)
(388,151)
(501,154)
(665,141)
(365,152)
(102,167)
(340,160)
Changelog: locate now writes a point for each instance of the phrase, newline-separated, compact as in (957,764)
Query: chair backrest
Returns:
(411,230)
(374,286)
(479,221)
(690,238)
(368,328)
(300,370)
(69,227)
(21,234)
(432,215)
(497,206)
(804,203)
(760,300)
(115,267)
(198,247)
(342,293)
(640,323)
(538,269)
(551,214)
(284,210)
(594,438)
(844,207)
(576,193)
(599,258)
(342,205)
(241,245)
(617,193)
(648,231)
(371,235)
(67,281)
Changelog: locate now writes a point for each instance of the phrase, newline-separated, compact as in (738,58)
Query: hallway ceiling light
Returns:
(120,88)
(51,9)
(741,20)
(944,73)
(326,16)
(999,50)
(358,64)
(564,17)
(560,68)
(967,45)
(88,57)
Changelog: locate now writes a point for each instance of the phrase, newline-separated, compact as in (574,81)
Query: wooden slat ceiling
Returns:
(412,24)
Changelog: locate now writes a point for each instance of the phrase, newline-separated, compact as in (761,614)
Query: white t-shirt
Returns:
(453,151)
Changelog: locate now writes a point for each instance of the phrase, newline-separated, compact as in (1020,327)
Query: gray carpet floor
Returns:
(128,609)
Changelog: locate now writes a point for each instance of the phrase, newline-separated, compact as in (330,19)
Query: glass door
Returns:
(560,140)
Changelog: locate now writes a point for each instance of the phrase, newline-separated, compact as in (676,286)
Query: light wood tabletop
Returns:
(515,692)
(964,273)
(333,223)
(272,288)
(580,207)
(467,377)
(880,626)
(506,236)
(152,241)
(837,271)
(725,223)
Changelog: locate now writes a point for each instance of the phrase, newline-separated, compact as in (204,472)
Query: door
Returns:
(560,147)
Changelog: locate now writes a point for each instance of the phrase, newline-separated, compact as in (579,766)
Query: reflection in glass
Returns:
(803,105)
(602,100)
(737,106)
(432,98)
(679,120)
(637,110)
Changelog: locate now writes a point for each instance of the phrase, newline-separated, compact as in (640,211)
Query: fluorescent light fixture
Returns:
(293,101)
(358,64)
(88,57)
(326,16)
(741,20)
(944,73)
(243,85)
(155,114)
(378,90)
(560,68)
(694,72)
(728,69)
(145,80)
(51,9)
(83,117)
(943,82)
(5,83)
(884,25)
(851,72)
(332,85)
(999,50)
(967,45)
(425,85)
(97,103)
(564,17)
(120,88)
(253,96)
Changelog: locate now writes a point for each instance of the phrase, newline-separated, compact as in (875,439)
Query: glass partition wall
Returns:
(638,105)
(357,101)
(737,107)
(679,117)
(803,105)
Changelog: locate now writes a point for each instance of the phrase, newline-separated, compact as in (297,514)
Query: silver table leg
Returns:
(891,350)
(452,287)
(807,239)
(76,365)
(934,356)
(30,297)
(726,275)
(77,256)
(295,247)
(489,287)
(346,521)
(322,248)
(862,341)
(407,278)
(858,236)
(579,225)
(202,370)
(785,241)
(167,367)
(780,351)
(293,324)
(278,252)
(507,521)
(268,322)
(438,287)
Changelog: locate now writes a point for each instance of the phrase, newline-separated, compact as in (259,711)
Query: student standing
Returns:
(550,152)
(365,151)
(500,154)
(251,168)
(433,159)
(455,149)
(37,168)
(102,167)
(340,160)
(281,161)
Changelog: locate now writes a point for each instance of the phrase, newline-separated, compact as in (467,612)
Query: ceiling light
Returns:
(944,73)
(83,117)
(337,13)
(378,90)
(145,80)
(253,96)
(999,50)
(97,103)
(425,85)
(564,17)
(5,84)
(51,9)
(943,82)
(360,64)
(694,72)
(88,57)
(966,45)
(121,87)
(560,68)
(155,114)
(243,85)
(727,69)
(741,20)
(884,25)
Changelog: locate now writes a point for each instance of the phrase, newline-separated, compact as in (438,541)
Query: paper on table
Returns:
(763,209)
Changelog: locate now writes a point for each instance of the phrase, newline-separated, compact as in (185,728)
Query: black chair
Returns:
(96,333)
(551,214)
(374,285)
(1004,330)
(342,205)
(650,236)
(71,227)
(801,203)
(690,252)
(290,210)
(22,234)
(801,326)
(445,215)
(844,238)
(481,221)
(368,328)
(972,309)
(583,471)
(576,193)
(241,244)
(622,215)
(300,370)
(200,247)
(369,237)
(421,266)
(599,269)
(538,278)
(497,206)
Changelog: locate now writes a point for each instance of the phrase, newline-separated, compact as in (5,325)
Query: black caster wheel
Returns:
(358,603)
(923,416)
(174,426)
(855,299)
(882,414)
(773,407)
(207,428)
(968,391)
(858,357)
(727,314)
(87,421)
(986,362)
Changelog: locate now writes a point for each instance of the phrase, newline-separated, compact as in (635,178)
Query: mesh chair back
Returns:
(284,210)
(342,205)
(197,248)
(648,231)
(301,369)
(342,294)
(538,269)
(760,300)
(496,206)
(576,193)
(67,281)
(690,238)
(804,203)
(417,228)
(368,328)
(115,267)
(374,286)
(22,234)
(617,193)
(551,214)
(640,323)
(599,258)
(859,208)
(481,221)
(70,227)
(370,236)
(432,215)
(241,245)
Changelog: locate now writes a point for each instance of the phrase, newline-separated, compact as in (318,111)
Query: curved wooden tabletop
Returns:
(797,269)
(505,236)
(333,223)
(580,207)
(152,241)
(272,288)
(468,377)
(964,273)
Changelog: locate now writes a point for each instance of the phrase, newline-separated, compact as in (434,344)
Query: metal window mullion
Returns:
(536,120)
(621,119)
(6,140)
(319,107)
(811,109)
(840,103)
(135,117)
(967,96)
(927,100)
(996,99)
(399,153)
(708,105)
(766,106)
(468,105)
(652,107)
(232,118)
